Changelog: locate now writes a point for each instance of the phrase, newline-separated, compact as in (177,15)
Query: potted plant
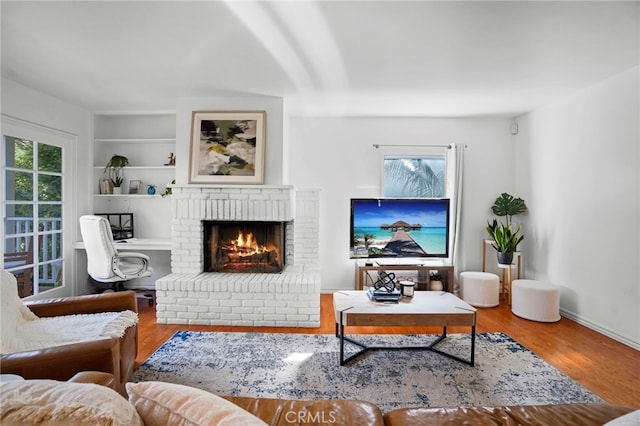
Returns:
(115,169)
(435,281)
(505,239)
(168,190)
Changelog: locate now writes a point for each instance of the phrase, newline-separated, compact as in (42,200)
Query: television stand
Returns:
(446,269)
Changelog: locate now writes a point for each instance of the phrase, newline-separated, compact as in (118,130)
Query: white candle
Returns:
(407,288)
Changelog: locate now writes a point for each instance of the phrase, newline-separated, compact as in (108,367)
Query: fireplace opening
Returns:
(256,247)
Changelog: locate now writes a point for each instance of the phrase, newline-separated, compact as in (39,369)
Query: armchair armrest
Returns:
(97,377)
(131,265)
(88,304)
(132,254)
(62,362)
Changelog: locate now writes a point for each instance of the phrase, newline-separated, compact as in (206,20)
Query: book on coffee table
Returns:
(382,295)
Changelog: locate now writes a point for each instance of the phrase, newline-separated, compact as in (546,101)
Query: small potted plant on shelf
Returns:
(505,238)
(435,281)
(115,170)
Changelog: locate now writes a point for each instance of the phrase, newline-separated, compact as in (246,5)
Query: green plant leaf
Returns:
(507,205)
(505,239)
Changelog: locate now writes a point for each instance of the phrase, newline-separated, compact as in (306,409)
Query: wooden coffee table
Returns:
(426,308)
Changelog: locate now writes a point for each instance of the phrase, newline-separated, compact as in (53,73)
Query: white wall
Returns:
(577,166)
(336,156)
(32,106)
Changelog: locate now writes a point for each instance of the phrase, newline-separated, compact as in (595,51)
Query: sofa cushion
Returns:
(49,402)
(584,414)
(287,412)
(160,403)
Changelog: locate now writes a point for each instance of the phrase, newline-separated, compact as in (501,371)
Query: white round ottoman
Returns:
(480,289)
(535,300)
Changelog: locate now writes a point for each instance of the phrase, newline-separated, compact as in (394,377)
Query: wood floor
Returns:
(606,367)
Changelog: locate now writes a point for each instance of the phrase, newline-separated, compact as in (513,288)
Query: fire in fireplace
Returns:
(253,246)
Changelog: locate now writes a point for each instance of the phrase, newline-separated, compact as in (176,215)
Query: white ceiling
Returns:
(388,58)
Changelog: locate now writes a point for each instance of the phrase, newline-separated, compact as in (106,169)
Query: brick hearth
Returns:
(287,299)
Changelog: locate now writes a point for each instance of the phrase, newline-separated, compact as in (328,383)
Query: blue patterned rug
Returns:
(305,366)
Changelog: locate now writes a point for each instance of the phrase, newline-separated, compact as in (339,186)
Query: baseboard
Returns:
(600,329)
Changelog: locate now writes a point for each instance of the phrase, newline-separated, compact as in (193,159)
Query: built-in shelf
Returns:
(133,168)
(128,195)
(147,139)
(138,141)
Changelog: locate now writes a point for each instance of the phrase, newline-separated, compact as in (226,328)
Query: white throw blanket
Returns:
(56,331)
(21,330)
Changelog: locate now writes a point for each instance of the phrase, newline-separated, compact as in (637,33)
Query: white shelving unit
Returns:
(147,139)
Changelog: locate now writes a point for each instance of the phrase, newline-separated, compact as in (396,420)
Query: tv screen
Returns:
(403,227)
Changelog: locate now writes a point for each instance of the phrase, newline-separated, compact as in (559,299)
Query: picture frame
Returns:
(227,147)
(135,187)
(121,225)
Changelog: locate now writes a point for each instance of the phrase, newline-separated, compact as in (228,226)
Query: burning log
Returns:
(267,257)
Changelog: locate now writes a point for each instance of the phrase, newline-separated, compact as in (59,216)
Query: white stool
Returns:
(480,289)
(536,300)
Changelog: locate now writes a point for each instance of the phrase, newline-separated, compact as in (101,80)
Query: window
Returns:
(33,205)
(426,172)
(419,176)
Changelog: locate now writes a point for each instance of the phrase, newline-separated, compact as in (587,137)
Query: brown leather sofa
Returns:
(114,356)
(286,412)
(278,412)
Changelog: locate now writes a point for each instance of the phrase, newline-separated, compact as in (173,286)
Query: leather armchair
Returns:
(110,355)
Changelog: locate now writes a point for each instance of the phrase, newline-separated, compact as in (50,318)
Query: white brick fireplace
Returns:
(287,299)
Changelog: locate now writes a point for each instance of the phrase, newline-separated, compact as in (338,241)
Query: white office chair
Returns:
(104,263)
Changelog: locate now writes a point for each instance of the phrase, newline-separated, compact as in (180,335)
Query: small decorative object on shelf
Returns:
(435,281)
(168,190)
(106,186)
(115,169)
(172,160)
(151,190)
(135,187)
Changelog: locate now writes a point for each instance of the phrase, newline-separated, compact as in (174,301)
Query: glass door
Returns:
(33,201)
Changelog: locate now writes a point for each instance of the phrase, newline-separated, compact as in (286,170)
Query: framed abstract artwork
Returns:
(227,147)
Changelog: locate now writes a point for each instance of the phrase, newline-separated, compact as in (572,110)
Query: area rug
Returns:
(306,366)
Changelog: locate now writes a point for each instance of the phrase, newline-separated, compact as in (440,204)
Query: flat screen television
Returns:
(399,228)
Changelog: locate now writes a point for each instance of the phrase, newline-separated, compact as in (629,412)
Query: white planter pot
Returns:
(117,190)
(436,286)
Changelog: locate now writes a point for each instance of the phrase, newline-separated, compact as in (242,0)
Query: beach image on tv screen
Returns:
(399,227)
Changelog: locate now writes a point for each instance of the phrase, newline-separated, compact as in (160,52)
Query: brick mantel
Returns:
(290,298)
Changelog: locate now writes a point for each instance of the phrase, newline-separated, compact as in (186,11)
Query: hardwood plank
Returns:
(606,367)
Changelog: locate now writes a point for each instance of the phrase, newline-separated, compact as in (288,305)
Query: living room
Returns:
(580,81)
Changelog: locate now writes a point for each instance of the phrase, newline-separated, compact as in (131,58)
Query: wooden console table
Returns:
(444,268)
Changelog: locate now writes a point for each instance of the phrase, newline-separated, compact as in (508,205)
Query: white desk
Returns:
(137,244)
